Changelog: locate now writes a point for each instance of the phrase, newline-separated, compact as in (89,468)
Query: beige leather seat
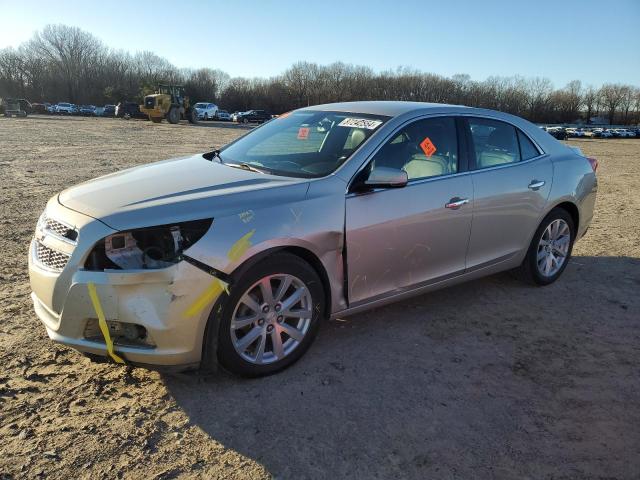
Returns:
(355,138)
(420,167)
(499,149)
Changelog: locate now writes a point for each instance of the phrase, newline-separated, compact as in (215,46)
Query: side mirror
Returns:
(385,177)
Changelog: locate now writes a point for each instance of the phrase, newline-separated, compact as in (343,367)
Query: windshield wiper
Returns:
(246,166)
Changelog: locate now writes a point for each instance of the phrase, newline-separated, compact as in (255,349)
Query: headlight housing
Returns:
(146,248)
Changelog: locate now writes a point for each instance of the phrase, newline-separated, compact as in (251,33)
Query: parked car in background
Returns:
(253,116)
(559,133)
(307,207)
(587,133)
(109,111)
(234,116)
(129,110)
(39,108)
(223,115)
(64,108)
(206,111)
(87,110)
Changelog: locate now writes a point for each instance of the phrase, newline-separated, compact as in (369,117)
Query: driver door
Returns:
(399,238)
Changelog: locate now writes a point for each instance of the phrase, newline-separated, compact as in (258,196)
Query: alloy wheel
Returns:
(271,319)
(553,248)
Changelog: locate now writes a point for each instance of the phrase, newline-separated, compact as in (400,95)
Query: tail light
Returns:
(594,164)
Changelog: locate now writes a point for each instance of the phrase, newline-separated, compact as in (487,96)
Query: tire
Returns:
(192,116)
(532,270)
(277,267)
(173,116)
(245,120)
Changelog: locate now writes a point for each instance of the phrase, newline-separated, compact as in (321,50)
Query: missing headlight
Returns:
(151,247)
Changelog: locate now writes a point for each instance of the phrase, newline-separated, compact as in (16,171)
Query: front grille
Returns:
(50,258)
(60,229)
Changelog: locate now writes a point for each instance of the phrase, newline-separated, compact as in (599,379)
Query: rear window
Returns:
(495,143)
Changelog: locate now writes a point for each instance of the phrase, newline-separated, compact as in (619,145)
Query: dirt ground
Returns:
(491,379)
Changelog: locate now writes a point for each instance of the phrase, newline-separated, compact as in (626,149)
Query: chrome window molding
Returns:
(439,177)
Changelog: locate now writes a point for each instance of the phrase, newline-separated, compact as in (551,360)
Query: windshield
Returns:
(303,144)
(200,105)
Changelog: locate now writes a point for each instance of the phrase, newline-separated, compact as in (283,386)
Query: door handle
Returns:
(536,184)
(456,202)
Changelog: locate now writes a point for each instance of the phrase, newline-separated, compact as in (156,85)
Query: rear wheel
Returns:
(173,116)
(550,249)
(271,316)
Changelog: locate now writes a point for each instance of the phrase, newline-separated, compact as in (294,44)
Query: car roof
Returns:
(389,108)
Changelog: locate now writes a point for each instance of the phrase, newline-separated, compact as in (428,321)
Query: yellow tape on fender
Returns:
(213,291)
(209,295)
(242,245)
(104,328)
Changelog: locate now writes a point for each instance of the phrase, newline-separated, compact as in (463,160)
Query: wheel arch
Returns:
(303,253)
(572,209)
(208,362)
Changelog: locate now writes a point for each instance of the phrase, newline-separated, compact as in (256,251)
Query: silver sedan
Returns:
(233,257)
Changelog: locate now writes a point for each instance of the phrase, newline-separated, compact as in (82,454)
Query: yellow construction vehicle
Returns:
(169,102)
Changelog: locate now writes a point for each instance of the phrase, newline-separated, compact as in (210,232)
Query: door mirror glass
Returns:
(386,177)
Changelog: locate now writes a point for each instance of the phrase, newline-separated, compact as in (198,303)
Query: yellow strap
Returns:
(210,294)
(104,328)
(216,287)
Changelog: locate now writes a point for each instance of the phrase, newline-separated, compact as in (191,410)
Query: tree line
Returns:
(63,63)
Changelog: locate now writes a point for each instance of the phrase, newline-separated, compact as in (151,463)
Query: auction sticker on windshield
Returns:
(360,123)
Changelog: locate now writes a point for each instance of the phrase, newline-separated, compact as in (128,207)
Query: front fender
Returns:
(315,224)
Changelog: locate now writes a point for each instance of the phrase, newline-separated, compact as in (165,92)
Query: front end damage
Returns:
(146,298)
(144,294)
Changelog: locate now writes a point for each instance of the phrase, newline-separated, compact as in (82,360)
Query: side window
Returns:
(426,148)
(495,142)
(527,148)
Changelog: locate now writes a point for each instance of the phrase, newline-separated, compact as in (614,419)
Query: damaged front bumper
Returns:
(156,317)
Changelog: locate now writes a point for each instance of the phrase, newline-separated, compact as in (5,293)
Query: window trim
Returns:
(520,132)
(463,166)
(472,154)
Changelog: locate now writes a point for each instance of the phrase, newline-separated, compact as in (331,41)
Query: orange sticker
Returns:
(303,133)
(428,147)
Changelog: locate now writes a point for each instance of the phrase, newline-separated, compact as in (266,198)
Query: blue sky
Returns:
(593,41)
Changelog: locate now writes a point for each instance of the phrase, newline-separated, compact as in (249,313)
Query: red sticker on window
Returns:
(428,147)
(303,133)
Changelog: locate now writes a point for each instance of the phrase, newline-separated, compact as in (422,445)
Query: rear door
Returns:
(511,182)
(398,238)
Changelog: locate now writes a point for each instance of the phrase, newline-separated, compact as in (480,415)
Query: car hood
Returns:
(177,190)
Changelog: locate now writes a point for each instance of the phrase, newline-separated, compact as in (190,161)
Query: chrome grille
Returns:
(60,230)
(50,258)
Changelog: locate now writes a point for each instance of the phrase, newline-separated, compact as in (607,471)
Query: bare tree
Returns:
(66,64)
(611,95)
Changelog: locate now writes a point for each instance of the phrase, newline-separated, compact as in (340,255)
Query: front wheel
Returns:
(550,249)
(271,316)
(192,116)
